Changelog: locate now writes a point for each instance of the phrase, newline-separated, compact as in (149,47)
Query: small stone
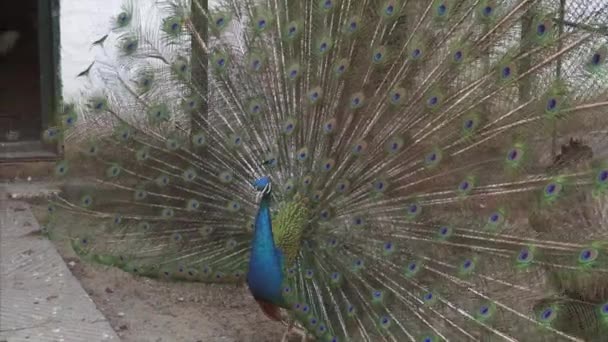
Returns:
(71,264)
(121,314)
(180,299)
(123,327)
(109,290)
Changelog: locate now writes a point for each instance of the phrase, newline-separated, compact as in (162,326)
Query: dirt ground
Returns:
(141,309)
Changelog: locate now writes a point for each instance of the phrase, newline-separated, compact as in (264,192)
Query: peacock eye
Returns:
(541,29)
(441,10)
(458,56)
(547,313)
(603,176)
(586,254)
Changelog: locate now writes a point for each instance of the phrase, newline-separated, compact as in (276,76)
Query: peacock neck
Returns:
(265,275)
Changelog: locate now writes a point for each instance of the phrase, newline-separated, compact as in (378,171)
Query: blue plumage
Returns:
(265,276)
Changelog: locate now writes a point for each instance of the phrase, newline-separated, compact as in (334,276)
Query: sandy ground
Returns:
(142,309)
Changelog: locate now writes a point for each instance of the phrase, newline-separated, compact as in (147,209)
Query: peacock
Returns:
(372,170)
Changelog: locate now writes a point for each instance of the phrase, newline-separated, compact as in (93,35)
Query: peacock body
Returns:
(379,170)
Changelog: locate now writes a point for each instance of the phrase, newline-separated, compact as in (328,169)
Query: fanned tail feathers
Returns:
(429,183)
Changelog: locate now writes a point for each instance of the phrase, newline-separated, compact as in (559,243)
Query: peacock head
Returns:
(263,185)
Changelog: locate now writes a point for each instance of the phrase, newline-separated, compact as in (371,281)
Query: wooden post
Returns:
(199,60)
(558,73)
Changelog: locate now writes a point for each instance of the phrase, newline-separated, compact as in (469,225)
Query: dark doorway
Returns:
(20,107)
(28,76)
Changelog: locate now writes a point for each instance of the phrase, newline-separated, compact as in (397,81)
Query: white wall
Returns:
(82,22)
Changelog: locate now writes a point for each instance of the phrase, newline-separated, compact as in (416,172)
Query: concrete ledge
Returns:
(40,300)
